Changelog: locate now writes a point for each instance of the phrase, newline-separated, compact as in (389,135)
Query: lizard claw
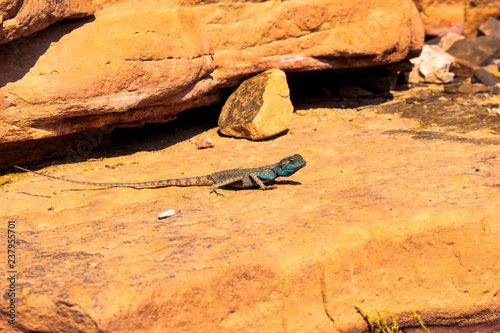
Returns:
(270,187)
(217,191)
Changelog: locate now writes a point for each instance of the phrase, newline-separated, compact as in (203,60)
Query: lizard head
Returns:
(288,166)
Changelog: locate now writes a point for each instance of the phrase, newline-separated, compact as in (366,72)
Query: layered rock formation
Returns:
(132,64)
(20,18)
(457,16)
(397,208)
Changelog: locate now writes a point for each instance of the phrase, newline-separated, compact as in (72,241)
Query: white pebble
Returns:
(166,214)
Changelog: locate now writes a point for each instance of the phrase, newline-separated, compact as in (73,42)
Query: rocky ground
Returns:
(398,207)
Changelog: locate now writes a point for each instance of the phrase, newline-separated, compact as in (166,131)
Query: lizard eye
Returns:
(292,160)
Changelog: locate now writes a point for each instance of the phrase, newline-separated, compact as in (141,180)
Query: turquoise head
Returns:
(288,166)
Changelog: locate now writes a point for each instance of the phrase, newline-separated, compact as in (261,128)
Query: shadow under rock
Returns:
(323,89)
(109,142)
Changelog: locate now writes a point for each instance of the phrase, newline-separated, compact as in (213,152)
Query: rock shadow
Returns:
(344,88)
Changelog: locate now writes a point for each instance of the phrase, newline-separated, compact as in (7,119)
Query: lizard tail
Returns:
(192,181)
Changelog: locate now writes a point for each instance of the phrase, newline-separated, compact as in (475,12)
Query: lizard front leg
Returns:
(260,183)
(216,187)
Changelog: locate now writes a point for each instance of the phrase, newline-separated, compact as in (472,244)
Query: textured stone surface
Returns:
(432,66)
(457,16)
(448,40)
(398,207)
(134,64)
(22,18)
(305,35)
(259,108)
(441,17)
(477,50)
(464,88)
(87,74)
(485,77)
(491,27)
(478,11)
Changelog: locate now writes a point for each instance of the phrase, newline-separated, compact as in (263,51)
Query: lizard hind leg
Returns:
(217,191)
(216,187)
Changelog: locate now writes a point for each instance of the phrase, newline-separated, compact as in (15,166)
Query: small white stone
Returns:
(494,111)
(166,214)
(432,66)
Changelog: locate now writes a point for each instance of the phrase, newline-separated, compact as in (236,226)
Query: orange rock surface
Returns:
(259,109)
(131,64)
(397,207)
(457,16)
(22,18)
(441,17)
(478,12)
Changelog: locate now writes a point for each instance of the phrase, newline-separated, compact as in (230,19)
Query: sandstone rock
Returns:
(464,88)
(491,27)
(442,17)
(433,66)
(479,11)
(448,40)
(304,35)
(205,142)
(477,50)
(462,68)
(259,108)
(22,18)
(492,68)
(390,211)
(485,77)
(109,70)
(132,65)
(456,16)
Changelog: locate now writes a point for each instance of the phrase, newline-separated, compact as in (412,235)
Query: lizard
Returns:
(237,178)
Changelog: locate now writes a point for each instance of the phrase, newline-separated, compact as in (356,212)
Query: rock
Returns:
(463,68)
(22,18)
(130,65)
(442,17)
(389,212)
(491,28)
(433,66)
(286,36)
(485,77)
(464,88)
(165,214)
(448,40)
(259,108)
(494,111)
(456,16)
(493,69)
(109,70)
(477,50)
(479,11)
(205,142)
